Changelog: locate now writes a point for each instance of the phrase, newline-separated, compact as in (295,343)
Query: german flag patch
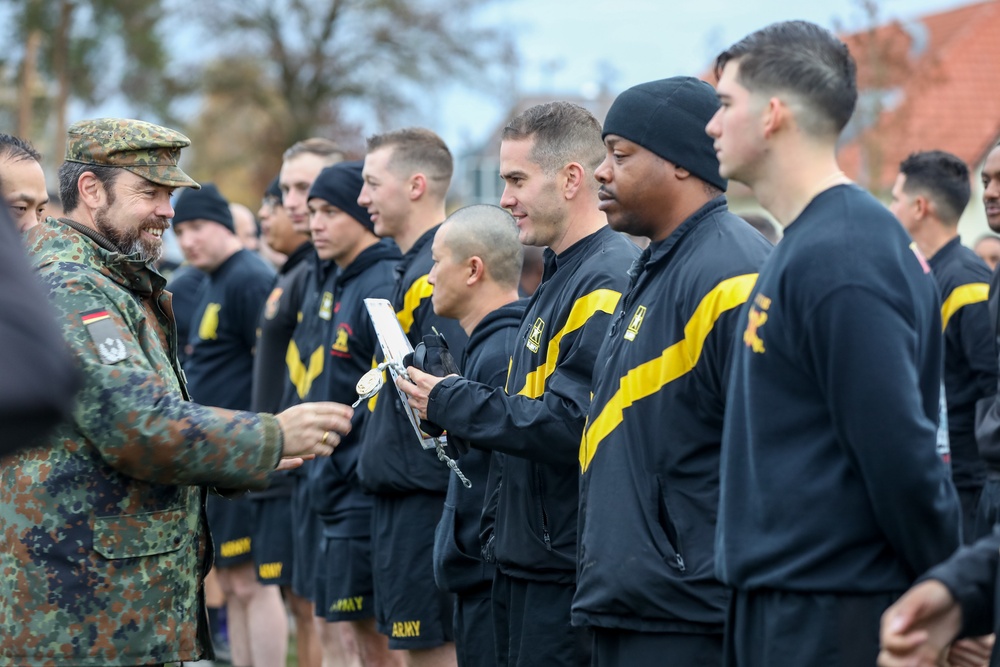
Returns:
(106,336)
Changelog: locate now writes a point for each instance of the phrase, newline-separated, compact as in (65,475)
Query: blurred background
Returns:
(244,79)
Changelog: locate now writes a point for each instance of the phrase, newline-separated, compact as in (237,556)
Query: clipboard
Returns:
(395,346)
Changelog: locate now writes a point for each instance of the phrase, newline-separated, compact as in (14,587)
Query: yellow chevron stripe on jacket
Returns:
(419,290)
(961,296)
(602,300)
(301,376)
(676,361)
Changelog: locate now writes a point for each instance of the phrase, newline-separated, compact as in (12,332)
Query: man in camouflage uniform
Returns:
(104,541)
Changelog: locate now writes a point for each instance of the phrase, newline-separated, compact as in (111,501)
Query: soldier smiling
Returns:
(105,545)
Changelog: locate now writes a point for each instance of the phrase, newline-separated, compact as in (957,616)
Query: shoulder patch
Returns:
(273,302)
(106,335)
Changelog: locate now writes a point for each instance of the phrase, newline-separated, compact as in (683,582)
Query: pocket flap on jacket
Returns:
(138,535)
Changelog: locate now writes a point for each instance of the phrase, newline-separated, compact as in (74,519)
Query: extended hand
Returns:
(971,652)
(418,389)
(918,629)
(293,462)
(314,429)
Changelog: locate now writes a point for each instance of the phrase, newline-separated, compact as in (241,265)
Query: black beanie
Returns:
(204,204)
(274,190)
(340,186)
(668,117)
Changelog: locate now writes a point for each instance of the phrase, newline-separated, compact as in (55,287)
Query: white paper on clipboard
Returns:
(395,346)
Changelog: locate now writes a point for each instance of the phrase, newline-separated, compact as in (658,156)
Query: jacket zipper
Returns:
(545,516)
(673,539)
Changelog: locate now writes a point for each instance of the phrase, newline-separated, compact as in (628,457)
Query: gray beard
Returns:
(129,241)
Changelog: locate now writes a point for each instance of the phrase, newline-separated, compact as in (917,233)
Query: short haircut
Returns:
(802,59)
(943,178)
(416,150)
(324,148)
(16,149)
(490,233)
(69,176)
(986,237)
(563,132)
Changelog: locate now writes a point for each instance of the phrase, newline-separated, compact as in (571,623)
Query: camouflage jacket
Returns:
(103,541)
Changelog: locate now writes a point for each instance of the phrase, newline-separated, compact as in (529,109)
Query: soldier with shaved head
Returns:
(477,267)
(548,155)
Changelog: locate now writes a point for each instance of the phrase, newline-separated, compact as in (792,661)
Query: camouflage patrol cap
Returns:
(147,150)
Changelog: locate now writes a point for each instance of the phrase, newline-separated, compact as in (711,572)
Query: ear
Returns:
(573,176)
(776,116)
(680,173)
(923,205)
(91,190)
(477,270)
(418,186)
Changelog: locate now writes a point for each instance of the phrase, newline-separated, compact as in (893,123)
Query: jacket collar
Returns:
(65,239)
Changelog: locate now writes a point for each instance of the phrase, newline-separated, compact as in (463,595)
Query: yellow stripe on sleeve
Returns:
(602,300)
(961,296)
(418,291)
(675,362)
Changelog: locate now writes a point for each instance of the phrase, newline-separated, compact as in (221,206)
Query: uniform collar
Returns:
(129,271)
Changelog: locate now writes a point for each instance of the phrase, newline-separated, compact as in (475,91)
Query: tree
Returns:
(86,51)
(301,61)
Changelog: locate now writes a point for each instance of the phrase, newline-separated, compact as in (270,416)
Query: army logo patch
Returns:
(273,301)
(535,335)
(106,336)
(341,343)
(326,306)
(633,326)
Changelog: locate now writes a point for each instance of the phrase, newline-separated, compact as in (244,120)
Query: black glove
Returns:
(432,356)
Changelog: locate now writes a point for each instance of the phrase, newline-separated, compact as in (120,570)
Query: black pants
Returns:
(533,627)
(624,648)
(474,643)
(767,628)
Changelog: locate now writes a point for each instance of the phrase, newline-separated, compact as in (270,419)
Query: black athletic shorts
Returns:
(474,630)
(344,589)
(409,607)
(306,527)
(765,628)
(273,549)
(533,627)
(625,648)
(231,523)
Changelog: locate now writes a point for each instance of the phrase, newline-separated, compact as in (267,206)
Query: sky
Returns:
(565,45)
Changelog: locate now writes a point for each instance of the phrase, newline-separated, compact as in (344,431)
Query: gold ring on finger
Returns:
(326,435)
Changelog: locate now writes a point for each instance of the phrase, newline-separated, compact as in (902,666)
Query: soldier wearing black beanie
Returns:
(668,117)
(204,204)
(650,452)
(339,185)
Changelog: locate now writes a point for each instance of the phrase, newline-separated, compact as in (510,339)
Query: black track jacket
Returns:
(392,460)
(334,491)
(650,451)
(458,563)
(536,425)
